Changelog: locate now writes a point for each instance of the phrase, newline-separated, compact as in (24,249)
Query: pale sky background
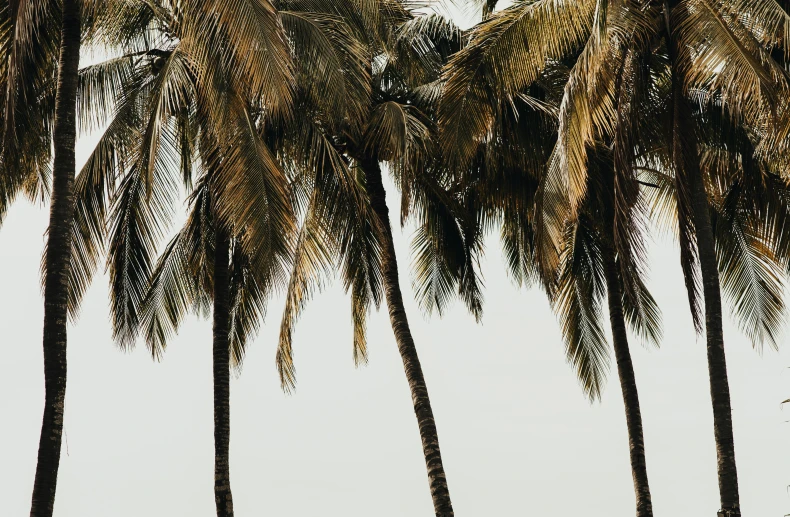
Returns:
(518,436)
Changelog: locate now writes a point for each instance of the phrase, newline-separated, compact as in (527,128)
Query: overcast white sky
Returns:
(518,436)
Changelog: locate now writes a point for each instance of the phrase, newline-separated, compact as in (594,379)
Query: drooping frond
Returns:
(628,207)
(518,245)
(253,195)
(446,246)
(182,279)
(338,230)
(643,314)
(751,276)
(312,261)
(170,296)
(578,303)
(683,153)
(95,185)
(137,226)
(589,109)
(438,251)
(248,304)
(331,63)
(247,34)
(29,39)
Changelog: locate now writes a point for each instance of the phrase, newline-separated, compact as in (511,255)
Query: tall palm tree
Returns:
(592,264)
(714,47)
(347,225)
(187,95)
(745,85)
(64,139)
(40,40)
(594,250)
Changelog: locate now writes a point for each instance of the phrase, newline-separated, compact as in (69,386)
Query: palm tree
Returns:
(748,94)
(597,248)
(347,225)
(714,47)
(592,264)
(234,246)
(188,95)
(41,40)
(206,268)
(64,139)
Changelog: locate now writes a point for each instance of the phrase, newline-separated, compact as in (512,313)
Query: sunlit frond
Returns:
(331,63)
(253,195)
(506,54)
(249,36)
(727,60)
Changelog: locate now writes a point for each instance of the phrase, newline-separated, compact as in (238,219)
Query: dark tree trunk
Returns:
(411,362)
(222,494)
(686,159)
(625,370)
(717,363)
(57,263)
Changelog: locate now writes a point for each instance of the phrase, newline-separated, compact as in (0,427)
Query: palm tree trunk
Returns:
(57,263)
(686,159)
(625,370)
(411,362)
(717,363)
(222,493)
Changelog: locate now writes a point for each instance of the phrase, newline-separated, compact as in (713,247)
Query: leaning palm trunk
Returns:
(686,161)
(222,493)
(717,363)
(411,362)
(57,263)
(625,370)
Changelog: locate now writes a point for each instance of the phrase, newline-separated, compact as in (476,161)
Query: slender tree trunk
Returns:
(717,363)
(625,370)
(411,362)
(685,149)
(57,263)
(222,494)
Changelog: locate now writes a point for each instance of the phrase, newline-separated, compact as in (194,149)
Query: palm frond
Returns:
(312,262)
(95,185)
(253,195)
(137,226)
(726,60)
(751,276)
(247,35)
(182,279)
(248,304)
(578,303)
(506,53)
(331,63)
